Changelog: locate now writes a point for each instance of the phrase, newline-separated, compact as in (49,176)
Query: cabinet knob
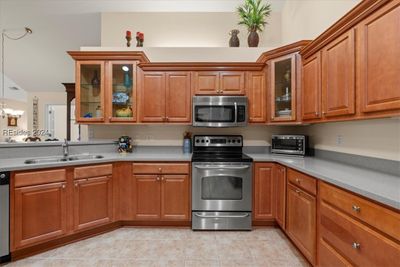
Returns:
(356,245)
(160,169)
(297,191)
(272,117)
(166,118)
(76,184)
(316,113)
(158,178)
(323,112)
(63,186)
(2,176)
(356,208)
(162,178)
(298,180)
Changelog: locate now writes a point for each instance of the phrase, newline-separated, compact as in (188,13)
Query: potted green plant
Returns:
(253,14)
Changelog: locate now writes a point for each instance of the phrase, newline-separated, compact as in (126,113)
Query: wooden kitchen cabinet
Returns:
(161,191)
(283,88)
(378,38)
(93,202)
(93,196)
(257,97)
(219,82)
(338,77)
(263,192)
(311,88)
(90,91)
(279,199)
(165,96)
(39,207)
(301,220)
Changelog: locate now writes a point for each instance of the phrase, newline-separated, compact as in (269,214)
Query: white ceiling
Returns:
(39,61)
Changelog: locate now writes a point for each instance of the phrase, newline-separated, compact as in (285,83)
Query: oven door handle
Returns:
(222,167)
(222,216)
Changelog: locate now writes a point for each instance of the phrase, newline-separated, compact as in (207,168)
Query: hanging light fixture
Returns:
(4,34)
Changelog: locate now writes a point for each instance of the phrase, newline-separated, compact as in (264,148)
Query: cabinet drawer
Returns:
(356,242)
(93,171)
(150,168)
(377,216)
(39,177)
(302,181)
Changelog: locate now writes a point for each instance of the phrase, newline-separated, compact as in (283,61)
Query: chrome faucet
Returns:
(65,148)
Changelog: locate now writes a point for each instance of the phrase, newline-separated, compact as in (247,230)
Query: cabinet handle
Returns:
(158,178)
(356,208)
(356,245)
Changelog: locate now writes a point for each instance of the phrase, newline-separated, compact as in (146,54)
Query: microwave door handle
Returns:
(236,110)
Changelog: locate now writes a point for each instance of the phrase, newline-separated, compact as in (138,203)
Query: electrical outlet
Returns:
(339,140)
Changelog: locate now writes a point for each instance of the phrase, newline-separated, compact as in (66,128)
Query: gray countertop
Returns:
(381,187)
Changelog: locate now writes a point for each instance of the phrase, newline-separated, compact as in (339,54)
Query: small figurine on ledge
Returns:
(128,38)
(139,39)
(125,144)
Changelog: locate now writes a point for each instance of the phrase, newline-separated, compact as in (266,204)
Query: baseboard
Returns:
(157,223)
(271,222)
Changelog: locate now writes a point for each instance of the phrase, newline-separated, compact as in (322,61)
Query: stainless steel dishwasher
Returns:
(4,217)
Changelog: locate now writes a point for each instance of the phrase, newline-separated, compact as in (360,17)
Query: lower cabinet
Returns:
(93,202)
(279,181)
(263,192)
(161,192)
(301,220)
(40,213)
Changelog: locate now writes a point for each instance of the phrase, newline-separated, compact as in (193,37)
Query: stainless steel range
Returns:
(221,184)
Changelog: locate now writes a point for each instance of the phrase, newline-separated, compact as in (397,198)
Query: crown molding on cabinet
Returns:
(282,51)
(109,55)
(202,66)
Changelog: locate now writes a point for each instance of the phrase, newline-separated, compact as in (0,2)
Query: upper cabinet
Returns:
(90,91)
(257,96)
(378,60)
(165,96)
(351,72)
(219,82)
(121,93)
(283,88)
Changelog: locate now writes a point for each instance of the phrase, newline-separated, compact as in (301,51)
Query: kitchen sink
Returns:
(63,159)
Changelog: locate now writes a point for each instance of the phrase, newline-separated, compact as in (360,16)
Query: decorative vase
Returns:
(234,40)
(127,80)
(96,83)
(253,39)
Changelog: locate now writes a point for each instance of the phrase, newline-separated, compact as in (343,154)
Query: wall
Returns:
(179,29)
(306,19)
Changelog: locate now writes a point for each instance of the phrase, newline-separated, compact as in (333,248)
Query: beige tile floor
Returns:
(174,247)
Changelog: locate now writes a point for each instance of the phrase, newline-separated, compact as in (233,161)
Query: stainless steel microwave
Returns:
(290,144)
(219,111)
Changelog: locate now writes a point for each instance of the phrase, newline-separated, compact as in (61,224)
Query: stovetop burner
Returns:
(218,148)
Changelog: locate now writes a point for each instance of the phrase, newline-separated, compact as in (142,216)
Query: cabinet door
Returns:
(311,88)
(338,76)
(152,97)
(89,91)
(279,181)
(301,221)
(175,197)
(146,197)
(40,214)
(206,82)
(378,60)
(121,91)
(232,82)
(178,97)
(283,88)
(93,202)
(257,96)
(263,191)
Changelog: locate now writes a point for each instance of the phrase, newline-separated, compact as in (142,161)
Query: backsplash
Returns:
(171,135)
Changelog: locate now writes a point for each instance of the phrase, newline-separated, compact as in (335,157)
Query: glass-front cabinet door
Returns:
(121,91)
(90,91)
(283,88)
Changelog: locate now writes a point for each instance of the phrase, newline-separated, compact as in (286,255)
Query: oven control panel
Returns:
(218,141)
